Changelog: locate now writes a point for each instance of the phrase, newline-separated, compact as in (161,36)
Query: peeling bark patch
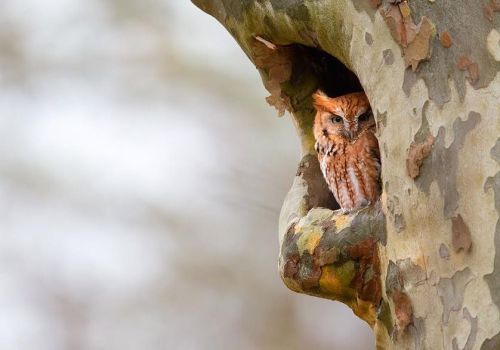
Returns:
(368,39)
(394,286)
(416,155)
(451,291)
(403,310)
(460,238)
(277,65)
(441,166)
(464,63)
(490,8)
(424,130)
(445,40)
(420,49)
(444,253)
(268,44)
(414,39)
(367,278)
(388,57)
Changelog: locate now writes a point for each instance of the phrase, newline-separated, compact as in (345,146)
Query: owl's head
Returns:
(343,117)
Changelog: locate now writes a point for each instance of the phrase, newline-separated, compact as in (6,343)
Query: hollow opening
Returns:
(331,75)
(314,69)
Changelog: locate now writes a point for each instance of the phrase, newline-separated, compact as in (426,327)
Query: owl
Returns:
(348,152)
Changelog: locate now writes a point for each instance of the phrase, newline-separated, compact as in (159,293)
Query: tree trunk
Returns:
(421,266)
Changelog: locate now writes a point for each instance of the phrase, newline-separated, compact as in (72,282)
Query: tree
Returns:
(421,268)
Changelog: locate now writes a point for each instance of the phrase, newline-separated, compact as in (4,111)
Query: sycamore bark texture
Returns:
(422,266)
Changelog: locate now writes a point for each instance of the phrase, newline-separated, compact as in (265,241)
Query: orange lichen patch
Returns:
(276,63)
(416,155)
(461,237)
(465,63)
(445,39)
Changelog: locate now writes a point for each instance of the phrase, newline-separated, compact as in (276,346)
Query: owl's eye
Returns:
(336,119)
(364,117)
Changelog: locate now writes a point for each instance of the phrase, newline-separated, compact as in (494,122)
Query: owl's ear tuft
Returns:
(320,100)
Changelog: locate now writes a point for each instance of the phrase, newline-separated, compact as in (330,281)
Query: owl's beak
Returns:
(351,129)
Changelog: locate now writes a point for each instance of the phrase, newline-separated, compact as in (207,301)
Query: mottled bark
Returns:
(421,267)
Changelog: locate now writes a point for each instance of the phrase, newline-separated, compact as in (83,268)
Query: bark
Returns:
(421,267)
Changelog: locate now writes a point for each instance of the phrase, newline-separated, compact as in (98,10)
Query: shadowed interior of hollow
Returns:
(330,75)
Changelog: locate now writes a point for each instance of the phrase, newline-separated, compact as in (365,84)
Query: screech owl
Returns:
(348,151)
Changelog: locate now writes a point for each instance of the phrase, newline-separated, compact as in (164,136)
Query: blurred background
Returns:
(141,176)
